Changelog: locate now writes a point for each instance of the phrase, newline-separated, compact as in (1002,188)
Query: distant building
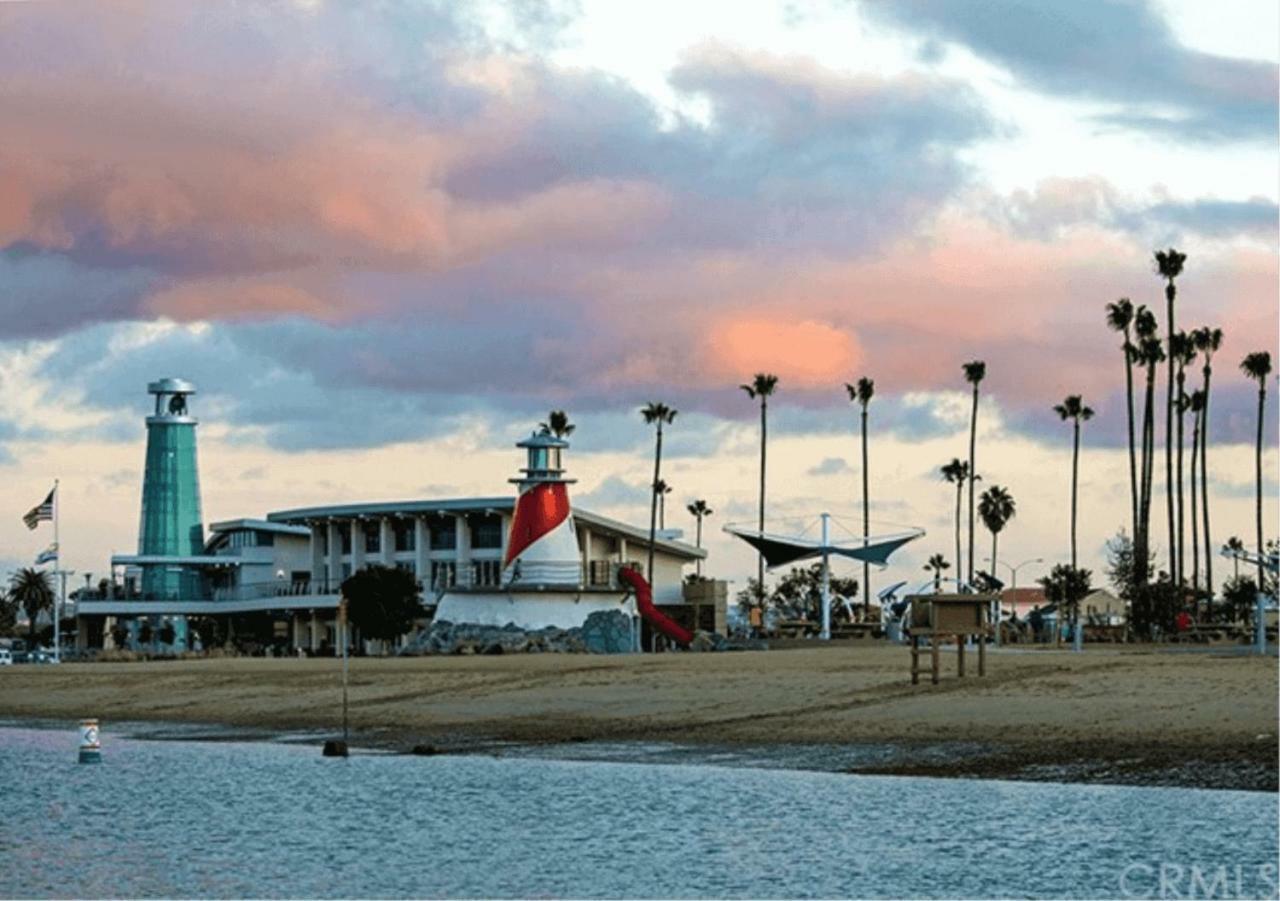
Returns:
(1021,601)
(1102,608)
(290,565)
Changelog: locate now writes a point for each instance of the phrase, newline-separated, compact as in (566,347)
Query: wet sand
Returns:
(1110,714)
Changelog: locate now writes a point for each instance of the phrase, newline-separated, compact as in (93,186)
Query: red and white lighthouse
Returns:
(542,548)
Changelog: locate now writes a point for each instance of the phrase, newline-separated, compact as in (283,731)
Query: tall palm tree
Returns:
(1073,408)
(937,563)
(663,490)
(957,473)
(699,510)
(1257,366)
(861,393)
(1120,319)
(1169,266)
(32,589)
(762,386)
(1233,549)
(974,372)
(656,414)
(557,424)
(1195,403)
(1208,340)
(1184,352)
(1149,355)
(996,507)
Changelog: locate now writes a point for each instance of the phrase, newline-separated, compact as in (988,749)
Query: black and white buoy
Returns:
(90,743)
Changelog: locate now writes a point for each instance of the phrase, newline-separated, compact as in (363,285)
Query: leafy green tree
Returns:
(974,372)
(1066,586)
(1074,409)
(1240,596)
(1257,366)
(762,386)
(655,414)
(8,614)
(799,591)
(861,393)
(1233,549)
(33,591)
(382,601)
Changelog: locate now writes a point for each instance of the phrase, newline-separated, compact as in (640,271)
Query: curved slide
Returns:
(644,601)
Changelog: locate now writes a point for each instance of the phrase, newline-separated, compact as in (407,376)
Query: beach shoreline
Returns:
(1111,715)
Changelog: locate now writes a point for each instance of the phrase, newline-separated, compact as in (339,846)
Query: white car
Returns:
(6,657)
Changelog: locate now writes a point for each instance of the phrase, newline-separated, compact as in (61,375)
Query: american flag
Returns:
(42,512)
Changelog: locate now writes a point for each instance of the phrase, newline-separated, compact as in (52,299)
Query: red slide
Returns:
(657,619)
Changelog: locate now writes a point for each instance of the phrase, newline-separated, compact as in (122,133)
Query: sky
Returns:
(384,239)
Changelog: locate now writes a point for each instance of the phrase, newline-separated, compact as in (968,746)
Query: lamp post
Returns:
(1013,572)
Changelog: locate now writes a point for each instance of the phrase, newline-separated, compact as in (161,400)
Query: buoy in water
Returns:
(90,742)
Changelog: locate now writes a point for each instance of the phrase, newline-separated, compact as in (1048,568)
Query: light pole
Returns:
(1013,571)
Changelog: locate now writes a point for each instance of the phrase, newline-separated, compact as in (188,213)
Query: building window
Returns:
(601,572)
(486,573)
(444,574)
(408,566)
(444,534)
(486,532)
(406,537)
(373,538)
(344,535)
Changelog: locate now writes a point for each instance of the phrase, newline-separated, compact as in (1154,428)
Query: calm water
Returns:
(258,819)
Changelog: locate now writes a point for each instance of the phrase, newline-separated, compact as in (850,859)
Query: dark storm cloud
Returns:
(1121,52)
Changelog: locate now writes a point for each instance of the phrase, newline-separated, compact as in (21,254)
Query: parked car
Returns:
(6,657)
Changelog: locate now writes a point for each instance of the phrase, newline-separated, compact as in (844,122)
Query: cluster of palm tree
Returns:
(1142,348)
(32,590)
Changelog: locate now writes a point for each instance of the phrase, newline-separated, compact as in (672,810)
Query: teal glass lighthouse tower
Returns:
(171,522)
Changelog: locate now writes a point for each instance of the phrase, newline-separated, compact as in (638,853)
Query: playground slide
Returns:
(644,601)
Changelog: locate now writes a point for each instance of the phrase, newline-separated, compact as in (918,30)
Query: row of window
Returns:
(486,534)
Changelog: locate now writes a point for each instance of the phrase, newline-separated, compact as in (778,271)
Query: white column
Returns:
(357,545)
(463,550)
(317,555)
(422,553)
(584,541)
(315,631)
(387,540)
(335,557)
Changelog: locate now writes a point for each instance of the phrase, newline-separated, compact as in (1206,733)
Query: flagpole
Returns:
(62,576)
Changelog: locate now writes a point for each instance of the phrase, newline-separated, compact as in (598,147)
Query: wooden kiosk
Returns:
(940,617)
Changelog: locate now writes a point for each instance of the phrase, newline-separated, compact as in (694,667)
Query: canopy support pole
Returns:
(826,578)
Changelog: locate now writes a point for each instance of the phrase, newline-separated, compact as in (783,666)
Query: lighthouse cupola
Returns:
(542,548)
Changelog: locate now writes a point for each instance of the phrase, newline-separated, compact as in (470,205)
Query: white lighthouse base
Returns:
(530,609)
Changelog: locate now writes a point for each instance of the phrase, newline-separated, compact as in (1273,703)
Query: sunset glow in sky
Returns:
(384,239)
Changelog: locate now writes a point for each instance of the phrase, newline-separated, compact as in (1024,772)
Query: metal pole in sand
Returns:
(339,748)
(826,579)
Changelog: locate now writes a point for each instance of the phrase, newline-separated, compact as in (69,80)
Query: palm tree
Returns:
(1073,408)
(1169,266)
(32,589)
(1184,351)
(699,509)
(663,490)
(762,386)
(936,565)
(1257,366)
(557,424)
(996,507)
(1120,319)
(1233,548)
(957,473)
(974,372)
(1195,403)
(1150,354)
(658,414)
(1207,342)
(862,392)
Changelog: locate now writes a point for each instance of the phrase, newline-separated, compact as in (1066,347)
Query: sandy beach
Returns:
(1123,714)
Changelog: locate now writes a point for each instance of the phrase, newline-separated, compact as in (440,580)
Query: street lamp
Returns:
(1013,570)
